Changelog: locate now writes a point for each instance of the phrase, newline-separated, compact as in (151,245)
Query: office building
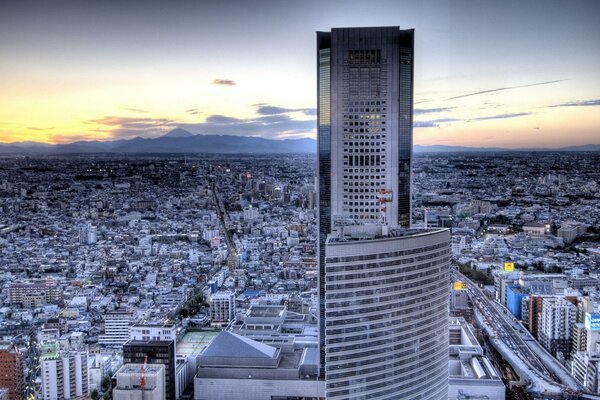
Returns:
(154,352)
(375,341)
(128,382)
(386,332)
(11,370)
(116,328)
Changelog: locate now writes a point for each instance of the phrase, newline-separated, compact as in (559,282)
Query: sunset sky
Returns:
(487,73)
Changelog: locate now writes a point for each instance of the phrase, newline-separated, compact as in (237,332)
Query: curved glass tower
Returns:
(386,333)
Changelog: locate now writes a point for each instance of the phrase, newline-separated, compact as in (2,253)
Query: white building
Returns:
(116,328)
(128,382)
(250,213)
(472,375)
(222,306)
(64,373)
(555,325)
(153,331)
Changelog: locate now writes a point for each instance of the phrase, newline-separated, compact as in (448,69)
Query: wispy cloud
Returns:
(224,82)
(119,127)
(193,111)
(266,109)
(437,122)
(501,89)
(434,122)
(134,110)
(36,128)
(420,111)
(500,116)
(578,103)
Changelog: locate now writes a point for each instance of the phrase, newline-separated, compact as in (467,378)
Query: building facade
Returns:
(128,382)
(64,373)
(154,352)
(116,328)
(386,333)
(222,307)
(364,120)
(556,322)
(383,288)
(11,371)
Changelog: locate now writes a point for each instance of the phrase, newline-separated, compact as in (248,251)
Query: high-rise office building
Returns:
(383,287)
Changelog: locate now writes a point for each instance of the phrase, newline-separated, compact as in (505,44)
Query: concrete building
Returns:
(153,331)
(238,368)
(11,371)
(472,375)
(386,331)
(35,294)
(128,382)
(116,328)
(222,307)
(535,229)
(64,373)
(556,322)
(156,352)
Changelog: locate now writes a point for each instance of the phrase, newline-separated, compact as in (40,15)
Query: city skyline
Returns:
(491,75)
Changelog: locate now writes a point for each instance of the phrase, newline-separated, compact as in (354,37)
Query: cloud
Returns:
(500,116)
(35,128)
(434,122)
(193,111)
(266,109)
(420,111)
(224,82)
(135,110)
(505,88)
(578,103)
(268,126)
(119,127)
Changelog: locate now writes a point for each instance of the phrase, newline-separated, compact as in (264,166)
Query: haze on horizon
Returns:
(488,73)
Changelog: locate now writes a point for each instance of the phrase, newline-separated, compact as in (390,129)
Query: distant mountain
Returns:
(176,141)
(178,133)
(439,148)
(182,141)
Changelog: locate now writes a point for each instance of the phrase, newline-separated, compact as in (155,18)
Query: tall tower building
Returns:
(383,287)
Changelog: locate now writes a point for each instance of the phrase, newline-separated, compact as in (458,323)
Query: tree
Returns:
(95,394)
(105,384)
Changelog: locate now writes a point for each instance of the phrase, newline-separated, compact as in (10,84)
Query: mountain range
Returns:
(182,141)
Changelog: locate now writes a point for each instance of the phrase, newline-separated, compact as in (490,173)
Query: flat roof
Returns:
(194,342)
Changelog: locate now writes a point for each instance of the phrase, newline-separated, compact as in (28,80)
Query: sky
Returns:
(511,73)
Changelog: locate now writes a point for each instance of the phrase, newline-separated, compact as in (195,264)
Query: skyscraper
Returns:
(383,298)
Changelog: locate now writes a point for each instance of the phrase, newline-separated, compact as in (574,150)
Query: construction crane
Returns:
(143,376)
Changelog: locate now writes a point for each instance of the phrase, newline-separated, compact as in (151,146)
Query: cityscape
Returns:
(351,246)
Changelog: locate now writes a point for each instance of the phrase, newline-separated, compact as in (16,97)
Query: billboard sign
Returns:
(509,266)
(592,322)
